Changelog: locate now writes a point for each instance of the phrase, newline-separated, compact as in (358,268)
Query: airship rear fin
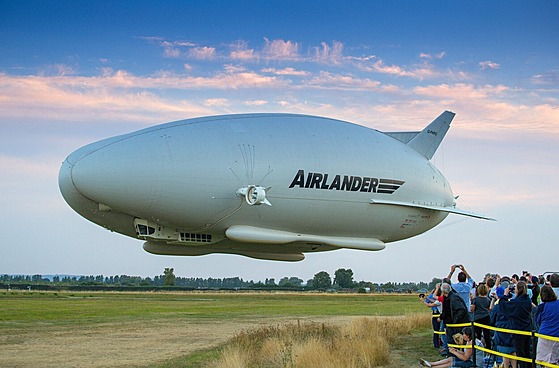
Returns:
(429,139)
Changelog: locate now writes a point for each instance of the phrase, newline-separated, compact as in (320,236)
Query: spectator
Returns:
(541,282)
(547,318)
(503,341)
(491,285)
(554,281)
(464,285)
(462,358)
(480,308)
(454,311)
(535,290)
(445,317)
(432,301)
(519,310)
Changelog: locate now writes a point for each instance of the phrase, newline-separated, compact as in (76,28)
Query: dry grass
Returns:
(364,342)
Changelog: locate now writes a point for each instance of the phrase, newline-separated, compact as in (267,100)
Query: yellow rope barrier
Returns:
(498,329)
(552,338)
(467,324)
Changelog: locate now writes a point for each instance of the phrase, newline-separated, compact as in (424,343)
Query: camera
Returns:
(421,296)
(512,287)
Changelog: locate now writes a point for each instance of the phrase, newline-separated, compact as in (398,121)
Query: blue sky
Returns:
(75,72)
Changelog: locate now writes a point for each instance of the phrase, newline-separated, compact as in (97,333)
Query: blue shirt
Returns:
(547,317)
(463,289)
(433,299)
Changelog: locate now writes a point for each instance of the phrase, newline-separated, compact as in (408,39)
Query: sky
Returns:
(74,72)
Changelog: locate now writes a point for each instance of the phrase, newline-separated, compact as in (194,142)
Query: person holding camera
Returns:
(519,311)
(432,301)
(503,341)
(464,285)
(480,309)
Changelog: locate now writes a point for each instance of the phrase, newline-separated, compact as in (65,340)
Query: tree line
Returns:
(342,279)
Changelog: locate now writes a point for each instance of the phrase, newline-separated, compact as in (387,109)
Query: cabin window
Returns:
(196,238)
(145,230)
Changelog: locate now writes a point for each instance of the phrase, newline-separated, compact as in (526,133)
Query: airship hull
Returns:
(258,184)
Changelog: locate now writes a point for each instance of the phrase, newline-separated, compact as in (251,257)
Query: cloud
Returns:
(171,49)
(202,53)
(421,72)
(484,65)
(329,54)
(286,71)
(87,98)
(245,55)
(216,102)
(440,55)
(459,91)
(550,78)
(255,103)
(328,80)
(281,50)
(241,51)
(171,52)
(58,70)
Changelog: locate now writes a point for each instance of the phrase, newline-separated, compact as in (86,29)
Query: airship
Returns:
(269,186)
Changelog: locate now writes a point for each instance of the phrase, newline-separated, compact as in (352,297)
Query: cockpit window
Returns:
(145,230)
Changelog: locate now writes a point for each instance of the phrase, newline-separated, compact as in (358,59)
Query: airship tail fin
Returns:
(429,139)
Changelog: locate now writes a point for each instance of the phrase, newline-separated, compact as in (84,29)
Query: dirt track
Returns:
(122,345)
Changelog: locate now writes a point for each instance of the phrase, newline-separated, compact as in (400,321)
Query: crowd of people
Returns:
(521,303)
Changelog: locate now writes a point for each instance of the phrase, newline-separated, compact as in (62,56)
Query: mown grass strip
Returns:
(29,308)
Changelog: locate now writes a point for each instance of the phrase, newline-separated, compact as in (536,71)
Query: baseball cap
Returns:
(500,292)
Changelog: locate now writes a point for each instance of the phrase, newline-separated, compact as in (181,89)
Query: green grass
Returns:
(67,308)
(199,359)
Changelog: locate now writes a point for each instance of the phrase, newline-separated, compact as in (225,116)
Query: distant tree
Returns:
(388,286)
(284,282)
(344,278)
(36,278)
(169,277)
(146,282)
(366,284)
(295,281)
(321,281)
(309,284)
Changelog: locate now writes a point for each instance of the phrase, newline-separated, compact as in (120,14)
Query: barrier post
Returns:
(474,342)
(533,350)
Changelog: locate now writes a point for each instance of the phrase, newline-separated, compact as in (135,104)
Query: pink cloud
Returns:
(484,65)
(329,54)
(281,50)
(202,53)
(286,71)
(328,80)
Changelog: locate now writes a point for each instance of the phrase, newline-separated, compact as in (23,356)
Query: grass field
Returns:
(165,329)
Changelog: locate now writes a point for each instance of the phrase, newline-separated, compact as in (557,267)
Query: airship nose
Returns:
(96,182)
(70,188)
(109,175)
